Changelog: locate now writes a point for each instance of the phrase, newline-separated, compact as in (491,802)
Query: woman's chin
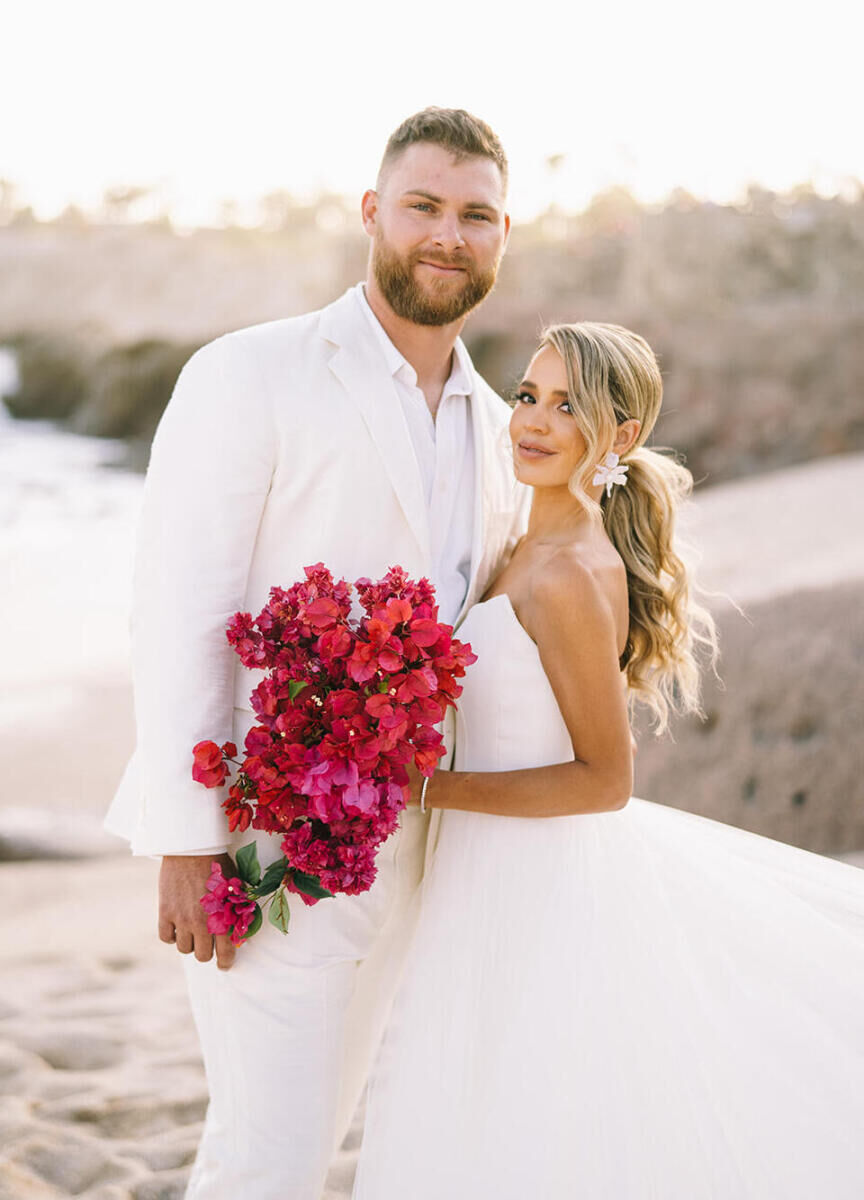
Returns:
(533,475)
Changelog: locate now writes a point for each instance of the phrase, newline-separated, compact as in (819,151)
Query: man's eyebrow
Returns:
(472,204)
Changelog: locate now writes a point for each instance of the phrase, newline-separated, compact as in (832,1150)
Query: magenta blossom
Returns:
(353,682)
(230,908)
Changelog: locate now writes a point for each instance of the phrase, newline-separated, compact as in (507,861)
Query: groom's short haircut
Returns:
(464,135)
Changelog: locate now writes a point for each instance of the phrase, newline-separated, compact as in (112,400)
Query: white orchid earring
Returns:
(609,472)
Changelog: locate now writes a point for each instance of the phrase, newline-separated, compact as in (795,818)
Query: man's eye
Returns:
(479,216)
(422,205)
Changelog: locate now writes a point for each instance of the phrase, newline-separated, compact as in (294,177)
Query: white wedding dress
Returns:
(634,1005)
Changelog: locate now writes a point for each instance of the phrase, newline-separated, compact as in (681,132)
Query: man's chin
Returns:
(427,297)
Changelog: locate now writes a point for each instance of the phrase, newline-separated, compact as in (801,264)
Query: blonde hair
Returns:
(613,376)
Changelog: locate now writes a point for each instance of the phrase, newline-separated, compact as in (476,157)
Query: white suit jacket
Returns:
(283,445)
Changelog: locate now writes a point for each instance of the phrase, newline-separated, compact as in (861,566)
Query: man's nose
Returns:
(448,234)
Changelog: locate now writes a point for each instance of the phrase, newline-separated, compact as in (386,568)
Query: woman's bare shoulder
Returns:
(570,592)
(569,574)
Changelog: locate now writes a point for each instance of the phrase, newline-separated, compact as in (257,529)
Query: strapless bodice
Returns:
(508,716)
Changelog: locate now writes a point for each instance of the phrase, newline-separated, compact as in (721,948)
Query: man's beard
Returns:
(409,300)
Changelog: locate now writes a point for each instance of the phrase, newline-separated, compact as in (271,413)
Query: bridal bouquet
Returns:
(344,706)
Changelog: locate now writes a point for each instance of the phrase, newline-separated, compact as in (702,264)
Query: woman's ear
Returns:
(625,436)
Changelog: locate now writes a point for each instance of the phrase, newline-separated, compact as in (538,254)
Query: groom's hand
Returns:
(182,920)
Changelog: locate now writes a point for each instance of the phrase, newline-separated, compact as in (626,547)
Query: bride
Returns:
(606,998)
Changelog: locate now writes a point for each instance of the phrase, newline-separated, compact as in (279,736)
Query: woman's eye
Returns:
(520,396)
(567,406)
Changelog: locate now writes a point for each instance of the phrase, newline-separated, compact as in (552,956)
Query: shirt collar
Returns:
(461,380)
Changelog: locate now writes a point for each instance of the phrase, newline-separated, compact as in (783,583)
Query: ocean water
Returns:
(67,527)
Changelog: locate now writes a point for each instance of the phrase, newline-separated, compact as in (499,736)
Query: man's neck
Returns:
(428,348)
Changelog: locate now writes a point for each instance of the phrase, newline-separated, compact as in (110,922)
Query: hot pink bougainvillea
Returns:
(345,705)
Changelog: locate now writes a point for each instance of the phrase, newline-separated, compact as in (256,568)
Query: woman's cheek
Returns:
(515,418)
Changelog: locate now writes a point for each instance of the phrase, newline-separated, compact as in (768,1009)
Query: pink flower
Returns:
(230,908)
(353,872)
(239,813)
(428,748)
(422,682)
(360,797)
(325,764)
(207,765)
(248,642)
(363,664)
(258,740)
(425,632)
(322,614)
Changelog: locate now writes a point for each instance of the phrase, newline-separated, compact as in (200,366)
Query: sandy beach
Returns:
(102,1091)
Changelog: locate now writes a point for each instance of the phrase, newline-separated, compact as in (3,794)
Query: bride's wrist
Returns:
(436,792)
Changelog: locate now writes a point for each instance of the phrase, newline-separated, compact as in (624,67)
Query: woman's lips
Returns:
(530,451)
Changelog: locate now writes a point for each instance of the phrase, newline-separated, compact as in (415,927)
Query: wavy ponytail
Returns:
(613,376)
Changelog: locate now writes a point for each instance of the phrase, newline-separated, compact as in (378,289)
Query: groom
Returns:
(360,436)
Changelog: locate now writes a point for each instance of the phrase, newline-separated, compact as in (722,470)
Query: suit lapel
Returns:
(483,477)
(359,366)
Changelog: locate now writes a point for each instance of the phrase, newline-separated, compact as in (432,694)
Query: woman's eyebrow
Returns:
(557,392)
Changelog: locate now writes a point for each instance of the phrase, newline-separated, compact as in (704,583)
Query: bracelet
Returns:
(423,793)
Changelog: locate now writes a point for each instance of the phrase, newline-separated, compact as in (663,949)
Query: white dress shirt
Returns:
(444,446)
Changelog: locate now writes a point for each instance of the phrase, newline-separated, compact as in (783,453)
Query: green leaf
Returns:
(295,686)
(280,914)
(248,866)
(255,924)
(272,877)
(384,685)
(310,884)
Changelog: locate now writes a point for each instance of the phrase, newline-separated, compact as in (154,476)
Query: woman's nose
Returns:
(536,419)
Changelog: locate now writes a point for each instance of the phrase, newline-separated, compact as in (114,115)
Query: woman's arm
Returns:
(573,624)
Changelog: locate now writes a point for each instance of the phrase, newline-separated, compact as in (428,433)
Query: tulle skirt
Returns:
(635,1005)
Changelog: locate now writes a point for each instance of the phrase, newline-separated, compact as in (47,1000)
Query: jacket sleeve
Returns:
(210,471)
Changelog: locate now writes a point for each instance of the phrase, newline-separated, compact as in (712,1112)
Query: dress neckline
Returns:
(511,610)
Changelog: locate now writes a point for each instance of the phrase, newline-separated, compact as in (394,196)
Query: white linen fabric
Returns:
(641,1005)
(289,1033)
(444,447)
(283,444)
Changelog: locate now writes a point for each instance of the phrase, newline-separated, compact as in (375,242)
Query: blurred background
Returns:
(174,171)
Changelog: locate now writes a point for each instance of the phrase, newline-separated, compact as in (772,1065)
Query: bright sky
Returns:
(209,100)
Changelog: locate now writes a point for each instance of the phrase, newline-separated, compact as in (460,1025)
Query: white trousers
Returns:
(289,1033)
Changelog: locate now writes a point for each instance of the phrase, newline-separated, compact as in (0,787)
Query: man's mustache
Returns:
(441,260)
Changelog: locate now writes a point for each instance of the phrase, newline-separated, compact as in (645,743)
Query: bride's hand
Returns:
(416,781)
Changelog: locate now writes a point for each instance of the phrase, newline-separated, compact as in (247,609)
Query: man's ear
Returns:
(369,210)
(506,229)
